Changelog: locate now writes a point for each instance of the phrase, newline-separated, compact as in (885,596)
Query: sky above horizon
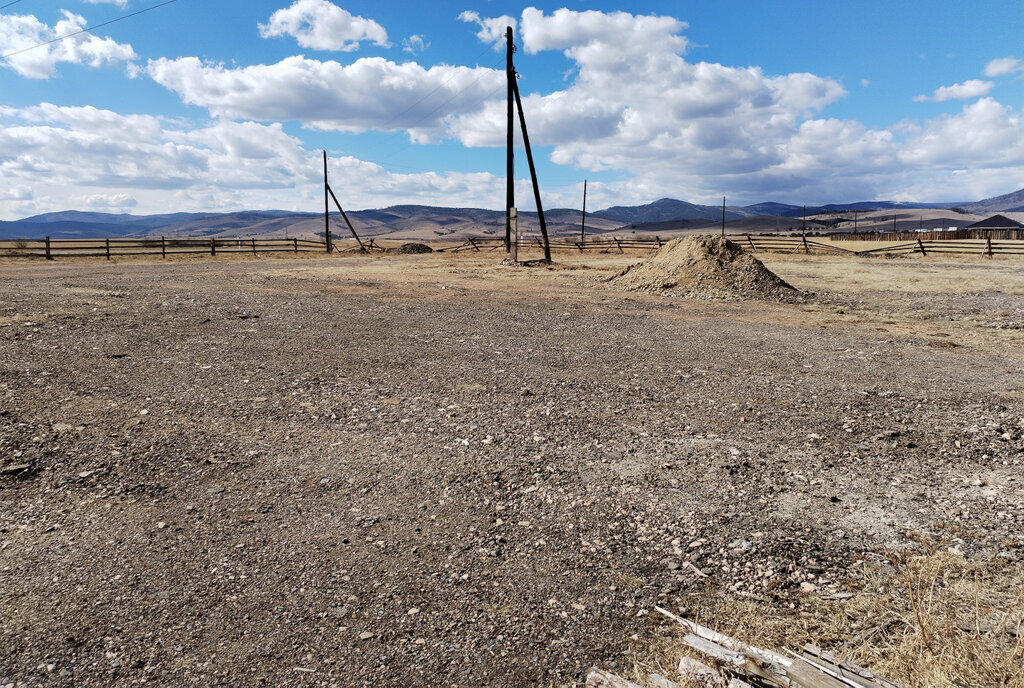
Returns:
(221,106)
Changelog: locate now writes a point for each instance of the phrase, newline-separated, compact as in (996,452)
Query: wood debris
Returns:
(746,665)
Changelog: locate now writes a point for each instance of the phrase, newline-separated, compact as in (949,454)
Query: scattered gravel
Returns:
(337,473)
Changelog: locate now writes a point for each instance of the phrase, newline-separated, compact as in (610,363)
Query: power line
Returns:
(432,92)
(383,157)
(9,4)
(85,30)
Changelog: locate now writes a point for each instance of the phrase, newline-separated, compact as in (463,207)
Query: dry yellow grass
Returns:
(928,618)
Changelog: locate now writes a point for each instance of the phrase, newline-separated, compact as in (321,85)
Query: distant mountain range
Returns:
(415,221)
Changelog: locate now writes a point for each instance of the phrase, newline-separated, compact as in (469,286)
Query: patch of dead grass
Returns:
(926,618)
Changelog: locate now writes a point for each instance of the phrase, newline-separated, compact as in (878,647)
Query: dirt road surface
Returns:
(429,470)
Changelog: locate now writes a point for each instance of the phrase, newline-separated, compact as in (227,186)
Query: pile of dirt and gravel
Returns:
(413,248)
(705,267)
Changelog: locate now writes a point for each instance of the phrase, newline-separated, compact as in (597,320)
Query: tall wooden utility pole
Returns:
(723,215)
(514,87)
(510,195)
(583,224)
(327,209)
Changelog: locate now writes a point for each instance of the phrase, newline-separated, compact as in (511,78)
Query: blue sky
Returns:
(225,105)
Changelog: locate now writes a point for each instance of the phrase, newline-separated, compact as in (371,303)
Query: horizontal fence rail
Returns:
(986,247)
(933,235)
(613,243)
(52,249)
(109,248)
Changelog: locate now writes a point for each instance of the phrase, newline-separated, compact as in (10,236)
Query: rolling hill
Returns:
(429,222)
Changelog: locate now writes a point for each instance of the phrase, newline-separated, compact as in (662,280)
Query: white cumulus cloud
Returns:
(370,93)
(322,25)
(492,29)
(415,44)
(23,34)
(972,88)
(1003,66)
(152,164)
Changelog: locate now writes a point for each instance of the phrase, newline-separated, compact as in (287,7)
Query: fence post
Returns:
(619,244)
(806,247)
(920,245)
(49,256)
(658,239)
(988,245)
(213,246)
(751,242)
(107,242)
(295,243)
(253,239)
(163,247)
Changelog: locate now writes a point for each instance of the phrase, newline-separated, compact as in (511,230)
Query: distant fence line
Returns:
(107,248)
(932,235)
(613,243)
(116,247)
(986,247)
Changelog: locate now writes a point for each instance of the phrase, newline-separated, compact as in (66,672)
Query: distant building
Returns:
(996,222)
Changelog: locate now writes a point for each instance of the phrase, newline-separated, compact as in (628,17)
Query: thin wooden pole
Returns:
(583,224)
(327,209)
(107,241)
(213,246)
(533,173)
(49,256)
(723,215)
(253,240)
(510,168)
(163,247)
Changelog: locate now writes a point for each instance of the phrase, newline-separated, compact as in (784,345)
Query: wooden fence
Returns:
(616,244)
(51,249)
(985,247)
(932,235)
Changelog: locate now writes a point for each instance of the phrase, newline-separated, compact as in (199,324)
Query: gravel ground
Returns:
(422,470)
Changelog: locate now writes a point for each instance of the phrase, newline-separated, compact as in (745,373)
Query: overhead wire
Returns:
(87,29)
(3,7)
(429,93)
(381,159)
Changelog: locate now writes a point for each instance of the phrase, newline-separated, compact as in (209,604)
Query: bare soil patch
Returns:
(438,470)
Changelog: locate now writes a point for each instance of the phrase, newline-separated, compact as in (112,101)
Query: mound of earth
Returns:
(414,248)
(705,267)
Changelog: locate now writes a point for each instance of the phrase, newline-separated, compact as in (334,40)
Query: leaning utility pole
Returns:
(583,224)
(329,190)
(529,153)
(510,194)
